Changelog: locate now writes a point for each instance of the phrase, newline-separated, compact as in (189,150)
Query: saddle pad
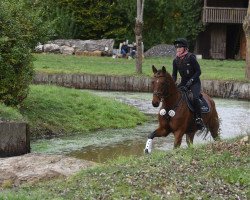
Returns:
(204,105)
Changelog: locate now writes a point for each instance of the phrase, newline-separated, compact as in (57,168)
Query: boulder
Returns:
(51,48)
(66,50)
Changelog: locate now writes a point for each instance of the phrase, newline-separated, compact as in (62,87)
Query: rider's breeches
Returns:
(196,88)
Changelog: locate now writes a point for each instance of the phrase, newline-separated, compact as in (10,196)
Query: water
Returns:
(102,146)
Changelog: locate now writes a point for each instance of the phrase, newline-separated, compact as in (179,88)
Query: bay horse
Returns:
(175,116)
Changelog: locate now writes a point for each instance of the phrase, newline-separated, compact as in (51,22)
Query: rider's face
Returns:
(180,49)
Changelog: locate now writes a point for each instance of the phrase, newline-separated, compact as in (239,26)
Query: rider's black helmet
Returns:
(181,42)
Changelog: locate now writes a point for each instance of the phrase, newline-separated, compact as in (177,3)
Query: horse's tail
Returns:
(213,124)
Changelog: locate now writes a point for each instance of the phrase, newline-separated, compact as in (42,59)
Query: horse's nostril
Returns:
(155,104)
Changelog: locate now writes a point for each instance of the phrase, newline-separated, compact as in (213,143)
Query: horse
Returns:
(175,116)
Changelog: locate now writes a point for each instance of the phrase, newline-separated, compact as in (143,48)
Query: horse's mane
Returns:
(169,77)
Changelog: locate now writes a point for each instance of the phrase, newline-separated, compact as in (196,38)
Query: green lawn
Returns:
(56,110)
(63,110)
(57,63)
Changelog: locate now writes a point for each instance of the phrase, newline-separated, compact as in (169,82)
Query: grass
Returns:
(55,110)
(216,171)
(57,63)
(10,114)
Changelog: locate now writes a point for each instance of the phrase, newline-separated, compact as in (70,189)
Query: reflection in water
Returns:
(102,154)
(234,115)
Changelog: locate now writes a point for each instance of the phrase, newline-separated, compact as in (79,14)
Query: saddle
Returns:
(187,95)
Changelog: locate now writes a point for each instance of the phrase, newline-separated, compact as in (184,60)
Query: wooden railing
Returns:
(224,15)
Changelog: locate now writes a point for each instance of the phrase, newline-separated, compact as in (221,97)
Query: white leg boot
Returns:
(149,144)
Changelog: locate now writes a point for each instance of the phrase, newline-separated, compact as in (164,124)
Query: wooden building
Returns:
(223,37)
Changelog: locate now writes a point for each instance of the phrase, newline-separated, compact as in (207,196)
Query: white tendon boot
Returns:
(148,147)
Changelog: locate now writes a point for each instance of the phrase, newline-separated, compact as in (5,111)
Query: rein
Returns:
(168,117)
(162,96)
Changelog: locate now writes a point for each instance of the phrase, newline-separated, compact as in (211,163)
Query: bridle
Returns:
(159,94)
(165,94)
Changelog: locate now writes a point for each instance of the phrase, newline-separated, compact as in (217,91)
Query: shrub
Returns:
(16,41)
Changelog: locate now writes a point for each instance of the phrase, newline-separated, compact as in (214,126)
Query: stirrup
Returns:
(199,123)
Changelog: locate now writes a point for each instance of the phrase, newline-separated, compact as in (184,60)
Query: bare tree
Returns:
(246,26)
(138,35)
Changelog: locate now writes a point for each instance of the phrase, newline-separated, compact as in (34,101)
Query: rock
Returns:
(161,50)
(34,167)
(51,48)
(39,48)
(245,140)
(66,50)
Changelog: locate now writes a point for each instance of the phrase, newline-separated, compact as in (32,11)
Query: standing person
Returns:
(189,69)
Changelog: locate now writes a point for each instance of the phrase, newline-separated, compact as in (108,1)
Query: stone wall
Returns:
(78,47)
(224,89)
(14,139)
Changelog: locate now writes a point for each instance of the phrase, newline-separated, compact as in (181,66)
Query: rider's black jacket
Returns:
(188,67)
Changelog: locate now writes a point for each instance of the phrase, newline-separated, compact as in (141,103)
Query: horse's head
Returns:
(159,85)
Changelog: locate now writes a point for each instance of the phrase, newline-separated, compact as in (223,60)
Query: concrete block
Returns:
(14,139)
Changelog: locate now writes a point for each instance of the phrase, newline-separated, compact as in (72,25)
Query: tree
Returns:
(138,35)
(246,26)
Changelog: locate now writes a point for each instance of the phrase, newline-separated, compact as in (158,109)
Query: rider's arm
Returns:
(196,66)
(174,72)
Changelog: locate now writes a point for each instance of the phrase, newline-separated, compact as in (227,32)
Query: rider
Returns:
(189,69)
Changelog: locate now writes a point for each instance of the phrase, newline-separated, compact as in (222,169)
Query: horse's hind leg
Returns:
(178,138)
(189,138)
(214,125)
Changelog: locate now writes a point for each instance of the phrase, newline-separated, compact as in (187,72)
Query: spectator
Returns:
(133,53)
(124,49)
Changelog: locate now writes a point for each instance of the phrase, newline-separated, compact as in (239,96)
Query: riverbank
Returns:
(219,170)
(214,88)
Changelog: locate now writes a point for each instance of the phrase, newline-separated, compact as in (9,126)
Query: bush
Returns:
(16,41)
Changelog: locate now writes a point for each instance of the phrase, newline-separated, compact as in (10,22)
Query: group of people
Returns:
(126,50)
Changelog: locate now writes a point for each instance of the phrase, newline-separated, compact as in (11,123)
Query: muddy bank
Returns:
(224,89)
(34,167)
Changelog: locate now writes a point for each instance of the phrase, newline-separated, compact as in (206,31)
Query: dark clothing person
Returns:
(189,69)
(124,49)
(133,53)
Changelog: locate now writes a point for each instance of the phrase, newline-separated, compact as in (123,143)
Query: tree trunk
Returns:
(246,26)
(138,35)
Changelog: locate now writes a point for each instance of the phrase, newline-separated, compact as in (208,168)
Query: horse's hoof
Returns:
(146,151)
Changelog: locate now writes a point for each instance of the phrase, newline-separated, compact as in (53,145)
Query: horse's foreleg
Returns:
(177,139)
(157,133)
(149,143)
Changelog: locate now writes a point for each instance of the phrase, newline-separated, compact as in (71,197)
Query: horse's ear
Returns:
(163,69)
(154,69)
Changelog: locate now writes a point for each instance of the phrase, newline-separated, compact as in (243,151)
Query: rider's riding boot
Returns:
(198,119)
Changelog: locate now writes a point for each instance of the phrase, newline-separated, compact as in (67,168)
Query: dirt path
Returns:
(33,167)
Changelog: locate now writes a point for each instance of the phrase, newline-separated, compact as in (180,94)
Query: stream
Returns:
(105,145)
